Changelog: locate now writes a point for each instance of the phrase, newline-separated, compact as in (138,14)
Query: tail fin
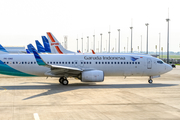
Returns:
(30,47)
(38,58)
(3,49)
(27,51)
(39,47)
(55,46)
(93,52)
(79,51)
(46,44)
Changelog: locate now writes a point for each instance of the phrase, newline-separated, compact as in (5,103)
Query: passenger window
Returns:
(99,62)
(28,62)
(129,62)
(114,62)
(135,62)
(56,62)
(13,62)
(4,62)
(16,62)
(138,62)
(89,62)
(111,62)
(132,62)
(124,62)
(62,62)
(72,62)
(105,62)
(65,62)
(108,62)
(121,62)
(47,63)
(84,62)
(117,62)
(25,62)
(96,62)
(102,62)
(53,62)
(59,62)
(69,62)
(50,62)
(22,62)
(34,62)
(31,62)
(76,62)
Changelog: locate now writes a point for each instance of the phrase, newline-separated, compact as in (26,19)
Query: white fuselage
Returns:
(110,64)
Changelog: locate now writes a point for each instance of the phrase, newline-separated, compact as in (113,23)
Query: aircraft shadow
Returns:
(58,88)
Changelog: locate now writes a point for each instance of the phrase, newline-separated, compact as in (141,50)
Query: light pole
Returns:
(87,43)
(141,43)
(77,44)
(82,44)
(159,45)
(147,39)
(162,51)
(127,44)
(131,38)
(167,40)
(119,41)
(109,41)
(101,44)
(156,49)
(94,43)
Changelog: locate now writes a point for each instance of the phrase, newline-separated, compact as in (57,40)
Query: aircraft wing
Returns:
(56,70)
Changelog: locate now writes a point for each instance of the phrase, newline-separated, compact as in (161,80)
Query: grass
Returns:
(171,56)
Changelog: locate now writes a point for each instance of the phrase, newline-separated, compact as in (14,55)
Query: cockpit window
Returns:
(160,62)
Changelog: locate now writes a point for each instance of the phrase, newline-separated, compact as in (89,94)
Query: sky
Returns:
(24,21)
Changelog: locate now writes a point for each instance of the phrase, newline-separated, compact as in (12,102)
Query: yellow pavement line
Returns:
(3,88)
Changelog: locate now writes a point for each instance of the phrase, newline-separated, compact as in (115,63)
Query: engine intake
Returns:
(92,76)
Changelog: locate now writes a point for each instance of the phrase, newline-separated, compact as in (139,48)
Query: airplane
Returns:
(40,48)
(3,50)
(85,67)
(55,46)
(46,44)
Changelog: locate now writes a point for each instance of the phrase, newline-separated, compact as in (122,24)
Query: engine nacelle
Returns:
(92,76)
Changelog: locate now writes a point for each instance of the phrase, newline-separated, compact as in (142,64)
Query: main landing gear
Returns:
(150,80)
(63,81)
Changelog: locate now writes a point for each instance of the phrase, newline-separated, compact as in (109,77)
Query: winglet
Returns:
(38,58)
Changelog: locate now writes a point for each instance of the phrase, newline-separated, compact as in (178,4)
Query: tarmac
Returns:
(117,98)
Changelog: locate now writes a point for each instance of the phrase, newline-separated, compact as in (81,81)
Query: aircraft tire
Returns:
(150,81)
(61,79)
(65,82)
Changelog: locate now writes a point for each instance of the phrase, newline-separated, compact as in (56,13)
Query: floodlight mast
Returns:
(101,44)
(109,41)
(119,41)
(131,38)
(147,39)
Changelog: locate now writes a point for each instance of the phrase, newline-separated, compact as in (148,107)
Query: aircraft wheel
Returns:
(61,79)
(150,81)
(65,82)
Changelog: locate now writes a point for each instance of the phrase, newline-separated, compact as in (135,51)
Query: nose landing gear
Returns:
(150,80)
(63,81)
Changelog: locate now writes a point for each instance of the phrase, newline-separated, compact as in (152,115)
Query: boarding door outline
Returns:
(149,63)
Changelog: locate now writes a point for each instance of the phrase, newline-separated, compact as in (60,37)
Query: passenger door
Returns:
(149,63)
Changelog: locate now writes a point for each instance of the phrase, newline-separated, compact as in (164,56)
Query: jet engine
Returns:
(92,76)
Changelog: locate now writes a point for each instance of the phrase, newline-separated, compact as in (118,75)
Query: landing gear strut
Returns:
(63,81)
(150,80)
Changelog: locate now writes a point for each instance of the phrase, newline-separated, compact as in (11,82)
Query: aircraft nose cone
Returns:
(168,68)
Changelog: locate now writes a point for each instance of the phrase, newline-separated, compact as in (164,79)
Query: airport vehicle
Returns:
(86,67)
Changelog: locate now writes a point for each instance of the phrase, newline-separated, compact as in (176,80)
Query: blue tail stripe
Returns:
(2,48)
(38,58)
